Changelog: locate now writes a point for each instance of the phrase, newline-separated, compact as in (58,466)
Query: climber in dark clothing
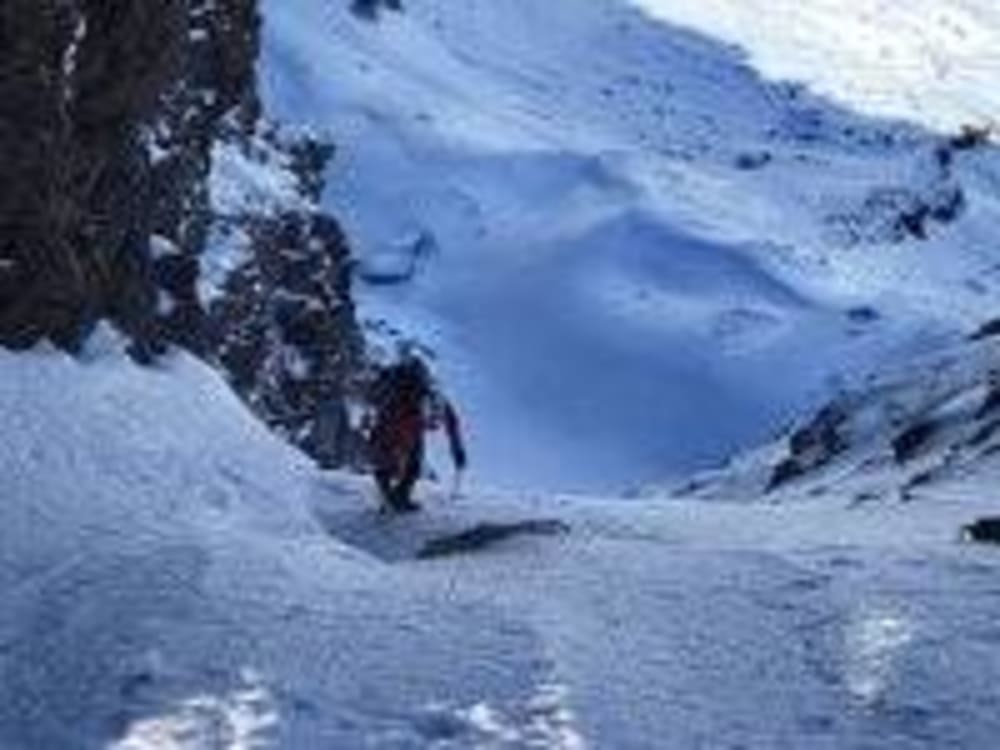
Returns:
(405,404)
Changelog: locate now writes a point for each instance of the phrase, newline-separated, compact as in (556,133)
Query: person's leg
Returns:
(410,475)
(386,488)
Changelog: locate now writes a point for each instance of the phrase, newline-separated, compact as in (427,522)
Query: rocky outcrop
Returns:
(109,111)
(813,446)
(114,115)
(287,333)
(79,81)
(214,98)
(983,530)
(932,198)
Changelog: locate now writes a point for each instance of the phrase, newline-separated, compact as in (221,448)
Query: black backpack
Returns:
(403,382)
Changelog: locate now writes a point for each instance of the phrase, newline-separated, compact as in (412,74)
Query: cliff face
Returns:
(79,81)
(287,334)
(114,116)
(213,98)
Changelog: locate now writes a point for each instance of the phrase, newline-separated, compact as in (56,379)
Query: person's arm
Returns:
(454,429)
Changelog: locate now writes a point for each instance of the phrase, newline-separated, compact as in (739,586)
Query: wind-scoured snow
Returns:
(632,251)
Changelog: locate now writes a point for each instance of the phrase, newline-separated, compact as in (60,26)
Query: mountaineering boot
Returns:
(406,506)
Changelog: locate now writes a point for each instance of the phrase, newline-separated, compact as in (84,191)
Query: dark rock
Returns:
(902,213)
(983,530)
(863,498)
(908,443)
(783,473)
(813,446)
(987,330)
(944,156)
(213,99)
(991,403)
(288,335)
(984,434)
(913,222)
(948,205)
(309,160)
(921,479)
(971,137)
(821,437)
(75,189)
(105,210)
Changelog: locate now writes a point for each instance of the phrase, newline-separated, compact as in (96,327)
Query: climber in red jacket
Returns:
(405,404)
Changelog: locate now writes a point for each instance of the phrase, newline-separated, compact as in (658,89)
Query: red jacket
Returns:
(402,415)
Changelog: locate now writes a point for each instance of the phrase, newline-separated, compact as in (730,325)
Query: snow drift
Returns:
(164,585)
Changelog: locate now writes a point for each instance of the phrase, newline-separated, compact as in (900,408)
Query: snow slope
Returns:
(681,625)
(164,585)
(923,60)
(173,577)
(924,428)
(632,253)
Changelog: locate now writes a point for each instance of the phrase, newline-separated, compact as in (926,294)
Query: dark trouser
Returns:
(396,482)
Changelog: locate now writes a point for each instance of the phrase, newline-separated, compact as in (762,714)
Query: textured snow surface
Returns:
(164,585)
(931,61)
(633,251)
(173,577)
(619,241)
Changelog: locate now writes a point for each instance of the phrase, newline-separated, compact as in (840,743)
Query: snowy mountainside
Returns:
(925,428)
(617,288)
(165,586)
(922,60)
(632,254)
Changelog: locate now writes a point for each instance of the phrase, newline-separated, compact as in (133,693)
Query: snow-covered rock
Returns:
(923,428)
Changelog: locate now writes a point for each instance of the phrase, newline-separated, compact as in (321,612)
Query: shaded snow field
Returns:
(630,251)
(174,577)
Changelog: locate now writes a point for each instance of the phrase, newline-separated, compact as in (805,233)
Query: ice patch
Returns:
(875,641)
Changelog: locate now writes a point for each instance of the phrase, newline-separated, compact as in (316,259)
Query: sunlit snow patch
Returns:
(930,60)
(874,641)
(545,722)
(239,720)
